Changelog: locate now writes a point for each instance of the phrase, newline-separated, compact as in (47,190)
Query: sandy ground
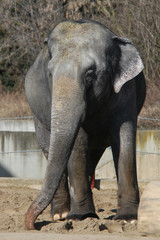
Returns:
(15,198)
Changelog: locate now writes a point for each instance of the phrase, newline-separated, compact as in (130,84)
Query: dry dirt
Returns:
(16,198)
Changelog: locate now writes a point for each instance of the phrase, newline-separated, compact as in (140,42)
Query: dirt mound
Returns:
(15,201)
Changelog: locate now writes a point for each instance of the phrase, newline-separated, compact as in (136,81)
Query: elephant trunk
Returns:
(67,112)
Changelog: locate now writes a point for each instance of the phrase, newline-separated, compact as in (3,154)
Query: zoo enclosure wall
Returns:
(20,155)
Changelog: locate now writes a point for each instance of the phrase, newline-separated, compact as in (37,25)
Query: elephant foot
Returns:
(74,216)
(60,204)
(60,216)
(59,210)
(82,207)
(127,213)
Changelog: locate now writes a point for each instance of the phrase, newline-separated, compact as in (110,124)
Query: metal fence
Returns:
(31,117)
(39,150)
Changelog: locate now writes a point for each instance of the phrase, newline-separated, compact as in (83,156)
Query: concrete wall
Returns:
(148,154)
(148,157)
(20,155)
(22,125)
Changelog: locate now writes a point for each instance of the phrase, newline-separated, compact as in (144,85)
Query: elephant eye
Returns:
(89,77)
(50,55)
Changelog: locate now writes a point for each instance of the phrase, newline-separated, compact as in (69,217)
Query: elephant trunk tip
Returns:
(30,218)
(35,209)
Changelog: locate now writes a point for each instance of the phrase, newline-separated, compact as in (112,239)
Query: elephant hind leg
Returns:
(95,155)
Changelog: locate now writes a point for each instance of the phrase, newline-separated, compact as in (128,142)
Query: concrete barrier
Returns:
(20,155)
(14,125)
(148,158)
(149,210)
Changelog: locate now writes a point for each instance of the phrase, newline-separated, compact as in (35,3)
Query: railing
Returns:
(149,119)
(16,118)
(31,117)
(39,150)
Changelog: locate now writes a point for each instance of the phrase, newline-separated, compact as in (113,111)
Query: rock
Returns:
(115,228)
(68,225)
(102,227)
(149,210)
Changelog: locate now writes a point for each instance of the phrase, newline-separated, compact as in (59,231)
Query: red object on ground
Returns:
(93,181)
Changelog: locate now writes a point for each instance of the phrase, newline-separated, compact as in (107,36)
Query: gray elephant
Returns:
(85,88)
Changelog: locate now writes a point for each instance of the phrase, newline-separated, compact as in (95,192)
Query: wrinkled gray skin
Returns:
(85,88)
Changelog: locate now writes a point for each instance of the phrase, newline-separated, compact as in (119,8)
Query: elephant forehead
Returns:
(72,40)
(76,33)
(75,47)
(71,28)
(71,50)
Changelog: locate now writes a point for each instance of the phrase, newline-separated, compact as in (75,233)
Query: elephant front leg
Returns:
(124,153)
(81,201)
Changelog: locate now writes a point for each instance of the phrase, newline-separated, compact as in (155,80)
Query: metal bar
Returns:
(31,117)
(23,151)
(17,118)
(147,152)
(39,150)
(149,119)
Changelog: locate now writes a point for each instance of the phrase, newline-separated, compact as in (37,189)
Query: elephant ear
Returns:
(130,63)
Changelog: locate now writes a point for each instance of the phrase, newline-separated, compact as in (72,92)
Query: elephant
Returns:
(85,88)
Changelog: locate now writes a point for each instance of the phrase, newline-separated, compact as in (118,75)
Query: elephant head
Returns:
(86,63)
